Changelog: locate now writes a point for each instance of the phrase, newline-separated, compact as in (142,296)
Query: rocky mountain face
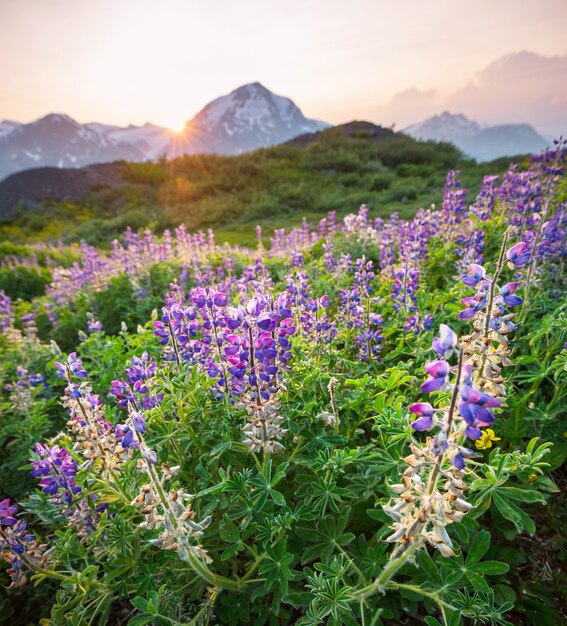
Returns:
(482,143)
(59,141)
(250,117)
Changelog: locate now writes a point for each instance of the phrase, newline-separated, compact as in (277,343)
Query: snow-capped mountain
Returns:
(151,140)
(60,141)
(482,143)
(7,126)
(250,117)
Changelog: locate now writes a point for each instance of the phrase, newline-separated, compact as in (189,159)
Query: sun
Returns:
(177,127)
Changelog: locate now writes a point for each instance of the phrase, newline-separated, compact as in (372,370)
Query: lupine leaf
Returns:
(478,547)
(492,568)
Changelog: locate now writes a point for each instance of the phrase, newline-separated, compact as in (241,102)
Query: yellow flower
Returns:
(486,440)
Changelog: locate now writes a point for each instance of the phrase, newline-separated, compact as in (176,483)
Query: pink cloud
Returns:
(519,87)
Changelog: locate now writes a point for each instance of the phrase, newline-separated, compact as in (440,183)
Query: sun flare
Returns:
(177,127)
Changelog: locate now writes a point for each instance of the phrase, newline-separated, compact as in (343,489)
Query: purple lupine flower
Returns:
(138,422)
(125,434)
(474,304)
(475,408)
(405,288)
(76,366)
(6,311)
(73,366)
(438,372)
(136,391)
(477,273)
(93,325)
(486,199)
(57,470)
(454,207)
(7,512)
(519,254)
(425,413)
(15,542)
(506,292)
(445,344)
(428,321)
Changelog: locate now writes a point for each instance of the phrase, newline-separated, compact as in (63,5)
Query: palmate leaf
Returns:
(277,569)
(327,538)
(471,568)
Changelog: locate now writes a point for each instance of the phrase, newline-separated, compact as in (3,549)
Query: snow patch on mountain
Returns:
(8,126)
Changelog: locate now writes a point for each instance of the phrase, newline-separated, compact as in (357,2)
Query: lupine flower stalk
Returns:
(486,349)
(19,547)
(94,435)
(25,390)
(422,509)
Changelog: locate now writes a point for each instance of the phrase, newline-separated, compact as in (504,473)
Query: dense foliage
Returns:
(341,168)
(362,424)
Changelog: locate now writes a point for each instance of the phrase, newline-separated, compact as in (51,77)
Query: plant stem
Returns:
(387,573)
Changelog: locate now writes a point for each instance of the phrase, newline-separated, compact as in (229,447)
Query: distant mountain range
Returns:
(483,143)
(250,117)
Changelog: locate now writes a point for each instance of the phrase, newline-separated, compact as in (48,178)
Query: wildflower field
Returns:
(361,422)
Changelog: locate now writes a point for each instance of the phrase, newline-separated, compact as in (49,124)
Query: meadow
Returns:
(360,420)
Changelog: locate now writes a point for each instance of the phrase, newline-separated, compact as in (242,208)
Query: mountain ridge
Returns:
(249,117)
(483,143)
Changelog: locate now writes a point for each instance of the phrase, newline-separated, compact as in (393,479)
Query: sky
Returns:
(387,61)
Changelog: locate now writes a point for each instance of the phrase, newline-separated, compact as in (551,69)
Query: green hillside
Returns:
(336,169)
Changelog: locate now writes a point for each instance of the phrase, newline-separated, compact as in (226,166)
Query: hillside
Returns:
(336,169)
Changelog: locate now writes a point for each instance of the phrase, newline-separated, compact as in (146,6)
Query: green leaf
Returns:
(491,568)
(229,531)
(140,620)
(478,547)
(429,567)
(277,497)
(511,512)
(298,599)
(523,495)
(431,621)
(139,603)
(478,582)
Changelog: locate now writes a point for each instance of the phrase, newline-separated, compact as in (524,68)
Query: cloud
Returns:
(519,87)
(402,108)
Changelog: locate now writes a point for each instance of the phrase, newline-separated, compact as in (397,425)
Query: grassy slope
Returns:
(343,168)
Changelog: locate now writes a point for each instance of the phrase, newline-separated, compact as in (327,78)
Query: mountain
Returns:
(7,126)
(249,117)
(151,140)
(60,141)
(482,143)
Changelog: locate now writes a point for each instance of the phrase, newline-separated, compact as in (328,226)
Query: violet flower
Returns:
(438,372)
(518,255)
(445,344)
(425,413)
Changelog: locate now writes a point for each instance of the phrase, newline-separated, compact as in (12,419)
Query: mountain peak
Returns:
(443,127)
(56,118)
(255,85)
(481,142)
(249,117)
